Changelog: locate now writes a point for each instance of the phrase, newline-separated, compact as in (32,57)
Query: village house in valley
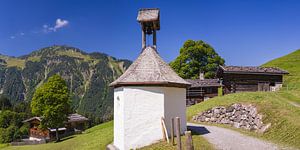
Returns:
(148,91)
(75,123)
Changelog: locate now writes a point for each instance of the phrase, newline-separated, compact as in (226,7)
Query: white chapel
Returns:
(146,92)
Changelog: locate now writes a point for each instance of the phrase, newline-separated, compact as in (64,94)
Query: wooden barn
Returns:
(201,89)
(242,79)
(74,124)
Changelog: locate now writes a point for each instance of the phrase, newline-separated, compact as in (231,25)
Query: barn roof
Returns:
(253,70)
(71,118)
(150,69)
(204,82)
(76,118)
(33,118)
(148,14)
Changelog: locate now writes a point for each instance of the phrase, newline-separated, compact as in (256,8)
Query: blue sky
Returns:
(243,32)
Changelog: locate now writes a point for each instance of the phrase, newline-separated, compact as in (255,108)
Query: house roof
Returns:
(150,69)
(148,14)
(71,118)
(76,118)
(33,118)
(204,82)
(252,70)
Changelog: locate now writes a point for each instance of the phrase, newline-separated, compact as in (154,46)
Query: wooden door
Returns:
(263,86)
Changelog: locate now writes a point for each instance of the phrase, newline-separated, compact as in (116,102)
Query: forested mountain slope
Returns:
(87,76)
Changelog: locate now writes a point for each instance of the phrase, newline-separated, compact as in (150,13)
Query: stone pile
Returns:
(236,115)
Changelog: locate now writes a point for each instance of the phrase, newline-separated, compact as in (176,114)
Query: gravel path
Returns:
(225,139)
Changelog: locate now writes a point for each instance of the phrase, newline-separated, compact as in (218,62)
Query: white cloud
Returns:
(22,33)
(12,37)
(60,23)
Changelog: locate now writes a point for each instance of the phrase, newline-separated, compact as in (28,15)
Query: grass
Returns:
(275,106)
(13,62)
(198,141)
(3,146)
(291,63)
(74,54)
(34,58)
(92,139)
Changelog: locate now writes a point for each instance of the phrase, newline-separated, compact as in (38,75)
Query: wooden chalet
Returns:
(201,89)
(74,124)
(242,79)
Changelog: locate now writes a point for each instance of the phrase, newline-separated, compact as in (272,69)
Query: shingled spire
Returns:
(149,20)
(149,68)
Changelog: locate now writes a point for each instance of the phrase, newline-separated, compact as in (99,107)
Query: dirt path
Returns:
(225,139)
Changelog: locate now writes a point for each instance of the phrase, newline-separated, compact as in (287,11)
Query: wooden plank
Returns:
(163,130)
(189,140)
(178,137)
(172,131)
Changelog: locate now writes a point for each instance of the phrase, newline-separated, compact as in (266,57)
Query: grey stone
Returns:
(236,124)
(264,128)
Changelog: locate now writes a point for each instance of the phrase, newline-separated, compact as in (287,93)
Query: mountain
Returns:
(87,76)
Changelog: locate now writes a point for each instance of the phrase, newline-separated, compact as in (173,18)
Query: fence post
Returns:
(163,130)
(179,147)
(172,131)
(189,140)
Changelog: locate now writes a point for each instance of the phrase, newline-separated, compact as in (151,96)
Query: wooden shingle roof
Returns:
(76,118)
(150,69)
(71,118)
(253,70)
(204,82)
(148,14)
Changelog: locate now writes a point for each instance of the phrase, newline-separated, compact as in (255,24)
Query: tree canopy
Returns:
(51,101)
(4,103)
(196,57)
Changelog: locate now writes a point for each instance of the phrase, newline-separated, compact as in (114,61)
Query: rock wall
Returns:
(236,115)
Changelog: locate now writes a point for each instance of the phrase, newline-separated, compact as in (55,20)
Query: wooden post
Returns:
(143,39)
(154,38)
(179,147)
(189,140)
(163,130)
(172,131)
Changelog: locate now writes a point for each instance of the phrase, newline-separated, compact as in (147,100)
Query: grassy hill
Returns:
(291,63)
(275,106)
(97,138)
(94,138)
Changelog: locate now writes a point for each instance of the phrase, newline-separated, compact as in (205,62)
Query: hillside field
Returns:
(92,139)
(276,108)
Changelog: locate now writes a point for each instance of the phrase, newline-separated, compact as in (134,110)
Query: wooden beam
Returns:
(172,131)
(178,137)
(154,38)
(189,140)
(143,39)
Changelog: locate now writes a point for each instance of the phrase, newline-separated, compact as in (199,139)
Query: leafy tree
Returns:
(11,126)
(4,103)
(51,101)
(196,57)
